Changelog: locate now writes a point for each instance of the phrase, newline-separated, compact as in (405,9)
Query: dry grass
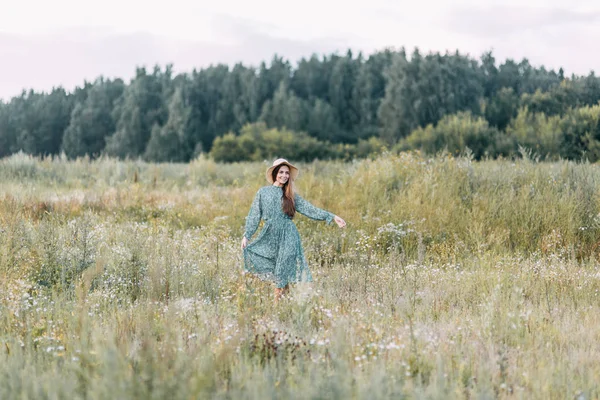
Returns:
(453,279)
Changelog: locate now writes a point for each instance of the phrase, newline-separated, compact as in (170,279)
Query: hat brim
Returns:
(293,171)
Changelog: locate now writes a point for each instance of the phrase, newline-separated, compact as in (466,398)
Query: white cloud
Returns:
(72,55)
(495,21)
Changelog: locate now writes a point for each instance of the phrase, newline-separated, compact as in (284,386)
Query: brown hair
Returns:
(287,199)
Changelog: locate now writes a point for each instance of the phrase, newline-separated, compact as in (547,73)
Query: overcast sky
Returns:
(63,42)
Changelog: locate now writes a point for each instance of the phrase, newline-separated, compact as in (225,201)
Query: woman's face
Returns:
(283,175)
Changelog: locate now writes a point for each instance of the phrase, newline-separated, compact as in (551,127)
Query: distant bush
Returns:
(256,142)
(538,132)
(368,148)
(455,133)
(581,131)
(227,149)
(574,135)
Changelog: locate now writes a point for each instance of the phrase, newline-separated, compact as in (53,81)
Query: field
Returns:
(453,279)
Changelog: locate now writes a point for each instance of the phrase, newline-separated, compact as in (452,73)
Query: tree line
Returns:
(333,106)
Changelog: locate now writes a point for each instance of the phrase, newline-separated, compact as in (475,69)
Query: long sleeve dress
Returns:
(276,254)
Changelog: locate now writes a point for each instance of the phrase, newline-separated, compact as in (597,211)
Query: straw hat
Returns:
(293,170)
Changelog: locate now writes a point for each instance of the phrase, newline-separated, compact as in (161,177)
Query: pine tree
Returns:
(171,143)
(41,120)
(92,121)
(205,101)
(141,107)
(7,131)
(369,91)
(343,96)
(396,114)
(322,122)
(285,110)
(270,78)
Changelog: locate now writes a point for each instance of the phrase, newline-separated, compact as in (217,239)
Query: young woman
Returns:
(276,254)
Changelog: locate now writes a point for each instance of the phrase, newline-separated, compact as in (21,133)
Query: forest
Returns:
(469,267)
(325,107)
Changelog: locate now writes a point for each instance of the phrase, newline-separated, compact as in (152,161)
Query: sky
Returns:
(45,44)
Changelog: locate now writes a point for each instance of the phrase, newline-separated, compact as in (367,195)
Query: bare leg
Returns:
(281,292)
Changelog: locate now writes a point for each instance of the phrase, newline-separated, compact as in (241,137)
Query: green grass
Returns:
(453,279)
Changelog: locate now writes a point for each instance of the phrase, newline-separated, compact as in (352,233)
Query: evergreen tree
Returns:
(501,108)
(239,101)
(343,97)
(396,111)
(285,110)
(270,78)
(131,132)
(369,90)
(309,80)
(490,75)
(205,101)
(141,107)
(7,131)
(322,121)
(41,120)
(171,143)
(92,121)
(425,89)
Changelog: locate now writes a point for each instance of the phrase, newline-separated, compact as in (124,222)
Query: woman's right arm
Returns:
(253,218)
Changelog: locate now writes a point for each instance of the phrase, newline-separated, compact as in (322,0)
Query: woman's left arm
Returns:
(305,208)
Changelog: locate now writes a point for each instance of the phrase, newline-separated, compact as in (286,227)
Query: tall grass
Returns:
(453,279)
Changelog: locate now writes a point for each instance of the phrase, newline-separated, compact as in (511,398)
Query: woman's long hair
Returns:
(287,199)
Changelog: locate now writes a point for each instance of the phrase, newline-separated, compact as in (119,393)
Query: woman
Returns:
(276,254)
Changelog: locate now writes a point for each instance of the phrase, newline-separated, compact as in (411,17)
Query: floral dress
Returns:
(276,254)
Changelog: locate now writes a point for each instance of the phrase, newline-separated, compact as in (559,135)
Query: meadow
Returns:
(454,279)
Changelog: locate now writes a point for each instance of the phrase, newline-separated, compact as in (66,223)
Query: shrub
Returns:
(256,142)
(455,133)
(537,132)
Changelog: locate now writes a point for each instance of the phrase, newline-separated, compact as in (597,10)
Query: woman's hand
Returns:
(244,243)
(340,222)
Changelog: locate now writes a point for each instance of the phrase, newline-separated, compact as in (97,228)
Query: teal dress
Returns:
(276,254)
